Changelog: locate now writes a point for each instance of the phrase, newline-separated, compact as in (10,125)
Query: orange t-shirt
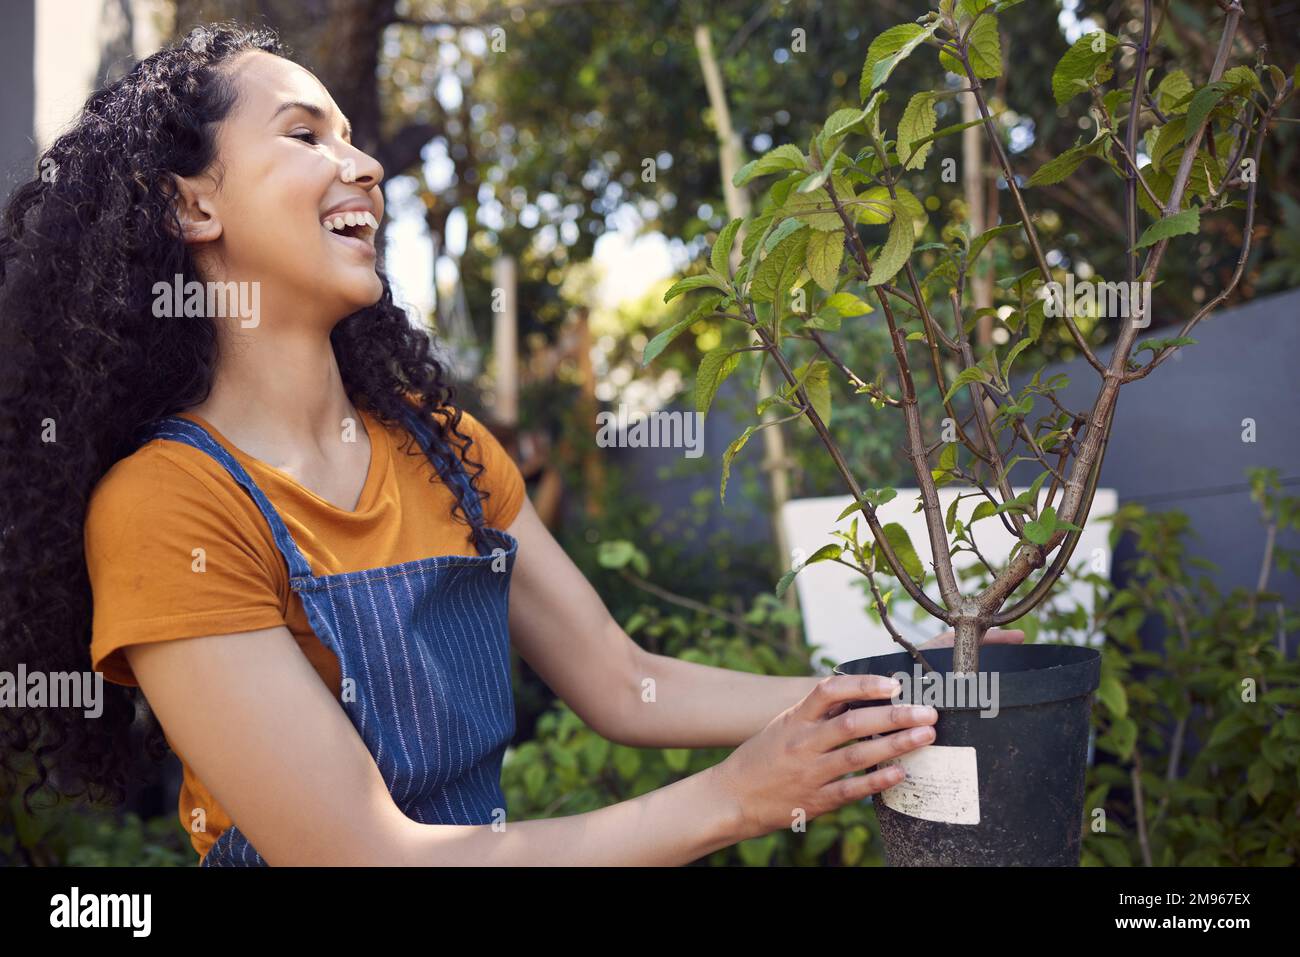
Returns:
(154,508)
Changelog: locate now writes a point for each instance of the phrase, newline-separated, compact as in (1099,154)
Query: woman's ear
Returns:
(195,209)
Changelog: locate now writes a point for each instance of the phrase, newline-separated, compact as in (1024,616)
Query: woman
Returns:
(220,428)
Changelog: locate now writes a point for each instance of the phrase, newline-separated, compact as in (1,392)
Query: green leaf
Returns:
(815,208)
(967,377)
(714,369)
(1060,168)
(692,282)
(818,387)
(785,157)
(897,248)
(918,121)
(982,510)
(983,239)
(847,305)
(1039,532)
(776,265)
(825,253)
(949,130)
(620,554)
(1188,221)
(1018,348)
(730,454)
(1174,87)
(661,341)
(841,121)
(901,543)
(720,257)
(823,554)
(1155,345)
(1259,780)
(873,497)
(885,45)
(1203,102)
(1078,68)
(984,51)
(876,70)
(1121,738)
(1112,695)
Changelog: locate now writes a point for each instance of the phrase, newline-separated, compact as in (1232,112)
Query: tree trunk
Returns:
(966,645)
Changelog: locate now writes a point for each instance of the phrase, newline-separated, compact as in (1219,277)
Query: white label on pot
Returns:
(941,785)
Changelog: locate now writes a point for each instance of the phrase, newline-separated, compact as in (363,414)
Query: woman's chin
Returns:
(360,292)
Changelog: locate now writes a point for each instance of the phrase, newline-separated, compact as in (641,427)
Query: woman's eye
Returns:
(307,136)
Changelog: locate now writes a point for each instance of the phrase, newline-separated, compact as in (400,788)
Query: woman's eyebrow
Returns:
(316,112)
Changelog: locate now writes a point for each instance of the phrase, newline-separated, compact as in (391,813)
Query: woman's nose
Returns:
(362,168)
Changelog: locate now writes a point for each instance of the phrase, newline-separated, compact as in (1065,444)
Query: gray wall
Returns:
(17,94)
(1177,440)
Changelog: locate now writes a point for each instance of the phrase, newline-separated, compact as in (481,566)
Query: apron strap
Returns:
(192,434)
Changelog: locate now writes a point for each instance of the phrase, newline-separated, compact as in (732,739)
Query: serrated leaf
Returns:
(984,51)
(918,121)
(1018,348)
(1060,168)
(776,265)
(1174,87)
(1205,100)
(965,378)
(729,454)
(661,341)
(881,69)
(714,369)
(983,239)
(894,253)
(847,305)
(818,386)
(825,252)
(1179,224)
(901,543)
(784,157)
(692,282)
(814,209)
(720,256)
(885,45)
(1155,345)
(1078,66)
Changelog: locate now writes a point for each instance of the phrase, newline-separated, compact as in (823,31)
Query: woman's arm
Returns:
(623,692)
(563,630)
(253,719)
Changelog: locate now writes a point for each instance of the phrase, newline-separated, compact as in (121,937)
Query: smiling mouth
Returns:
(357,226)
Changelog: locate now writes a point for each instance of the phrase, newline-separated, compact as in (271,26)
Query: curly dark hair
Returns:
(81,246)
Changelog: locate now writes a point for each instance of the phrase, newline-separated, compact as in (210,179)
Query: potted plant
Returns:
(839,241)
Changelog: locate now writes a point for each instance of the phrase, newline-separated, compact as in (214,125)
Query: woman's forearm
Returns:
(670,826)
(682,704)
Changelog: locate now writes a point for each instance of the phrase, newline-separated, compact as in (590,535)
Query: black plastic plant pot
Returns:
(1002,784)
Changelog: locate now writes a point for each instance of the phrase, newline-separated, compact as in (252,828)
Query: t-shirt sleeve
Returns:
(168,558)
(501,476)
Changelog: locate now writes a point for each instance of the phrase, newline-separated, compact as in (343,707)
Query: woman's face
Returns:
(289,178)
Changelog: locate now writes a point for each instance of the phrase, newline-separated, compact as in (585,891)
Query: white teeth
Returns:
(344,220)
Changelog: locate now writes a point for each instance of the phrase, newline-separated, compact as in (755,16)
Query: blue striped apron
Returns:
(423,648)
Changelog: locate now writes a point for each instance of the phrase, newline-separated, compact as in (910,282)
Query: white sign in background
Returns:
(834,605)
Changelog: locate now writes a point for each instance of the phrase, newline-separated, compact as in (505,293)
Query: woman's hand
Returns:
(796,762)
(994,636)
